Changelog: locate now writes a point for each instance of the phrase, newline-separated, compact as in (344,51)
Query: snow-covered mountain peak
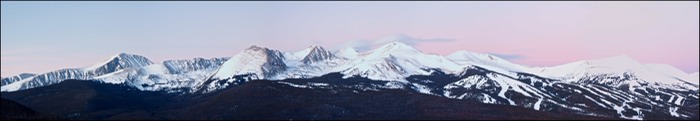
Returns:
(263,51)
(615,64)
(113,64)
(395,61)
(596,71)
(488,61)
(393,48)
(298,55)
(315,46)
(256,48)
(122,54)
(316,54)
(398,45)
(120,61)
(260,61)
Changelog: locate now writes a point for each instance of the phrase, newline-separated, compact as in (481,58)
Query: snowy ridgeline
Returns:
(134,70)
(616,83)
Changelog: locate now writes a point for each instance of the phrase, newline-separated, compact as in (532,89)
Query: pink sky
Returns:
(39,37)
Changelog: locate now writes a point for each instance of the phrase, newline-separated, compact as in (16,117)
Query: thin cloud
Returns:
(508,56)
(359,45)
(409,40)
(364,45)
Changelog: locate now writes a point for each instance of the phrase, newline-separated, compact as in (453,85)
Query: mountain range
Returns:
(614,87)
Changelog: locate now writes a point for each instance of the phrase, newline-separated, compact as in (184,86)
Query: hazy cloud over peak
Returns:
(508,56)
(364,45)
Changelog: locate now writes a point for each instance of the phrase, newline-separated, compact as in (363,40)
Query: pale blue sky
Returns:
(44,36)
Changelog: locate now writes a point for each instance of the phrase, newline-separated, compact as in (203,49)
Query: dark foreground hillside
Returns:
(14,111)
(258,99)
